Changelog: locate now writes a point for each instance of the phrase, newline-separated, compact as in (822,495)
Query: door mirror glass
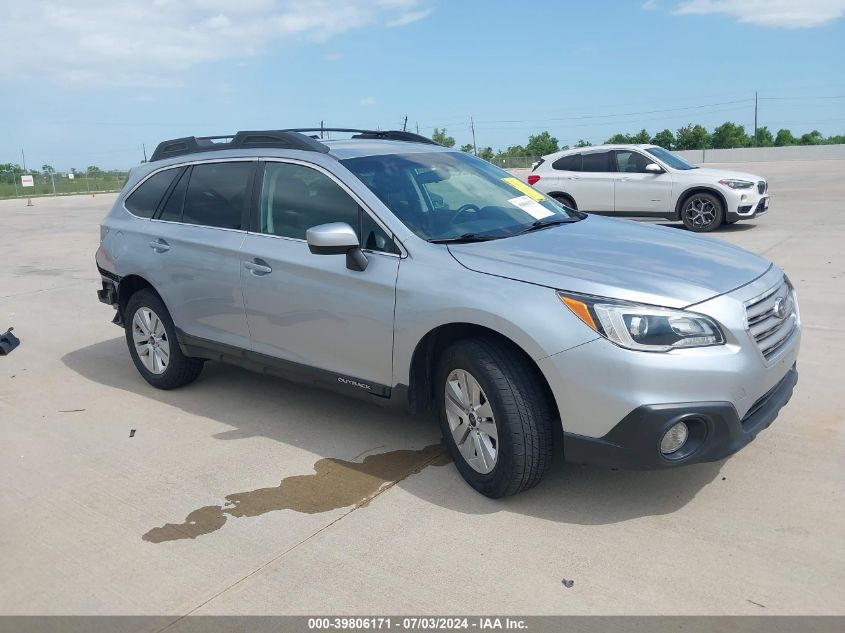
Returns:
(337,238)
(654,168)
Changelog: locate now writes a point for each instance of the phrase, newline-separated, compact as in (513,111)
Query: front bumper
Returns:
(745,204)
(716,432)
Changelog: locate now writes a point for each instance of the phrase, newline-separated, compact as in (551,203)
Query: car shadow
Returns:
(335,427)
(738,227)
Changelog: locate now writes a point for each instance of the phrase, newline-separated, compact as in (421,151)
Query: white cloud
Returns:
(332,57)
(649,5)
(407,18)
(788,14)
(367,101)
(153,42)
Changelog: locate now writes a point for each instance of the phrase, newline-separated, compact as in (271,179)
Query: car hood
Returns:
(717,174)
(619,259)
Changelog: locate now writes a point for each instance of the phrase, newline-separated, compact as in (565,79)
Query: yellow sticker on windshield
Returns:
(520,186)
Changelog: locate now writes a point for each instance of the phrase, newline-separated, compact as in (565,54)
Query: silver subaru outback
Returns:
(409,274)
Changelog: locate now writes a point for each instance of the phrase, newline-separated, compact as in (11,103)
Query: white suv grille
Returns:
(772,318)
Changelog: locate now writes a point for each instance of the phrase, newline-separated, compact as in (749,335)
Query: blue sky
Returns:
(89,82)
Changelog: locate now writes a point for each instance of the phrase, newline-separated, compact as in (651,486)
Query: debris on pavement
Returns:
(8,342)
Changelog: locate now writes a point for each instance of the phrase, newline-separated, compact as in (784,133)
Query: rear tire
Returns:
(509,421)
(565,200)
(702,212)
(151,337)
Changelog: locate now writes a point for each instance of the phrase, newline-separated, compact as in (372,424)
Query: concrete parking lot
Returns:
(244,494)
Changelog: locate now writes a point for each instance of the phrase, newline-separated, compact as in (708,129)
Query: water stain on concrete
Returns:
(335,483)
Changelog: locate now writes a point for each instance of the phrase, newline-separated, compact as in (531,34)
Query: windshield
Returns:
(669,158)
(453,195)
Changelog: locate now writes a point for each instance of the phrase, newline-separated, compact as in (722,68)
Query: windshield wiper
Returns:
(545,223)
(466,237)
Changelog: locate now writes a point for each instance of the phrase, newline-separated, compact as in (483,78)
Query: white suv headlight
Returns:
(736,184)
(642,327)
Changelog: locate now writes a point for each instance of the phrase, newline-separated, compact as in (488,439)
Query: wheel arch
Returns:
(128,286)
(435,341)
(555,194)
(698,189)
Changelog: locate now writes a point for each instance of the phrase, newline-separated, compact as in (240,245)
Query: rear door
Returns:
(592,187)
(194,250)
(637,191)
(311,309)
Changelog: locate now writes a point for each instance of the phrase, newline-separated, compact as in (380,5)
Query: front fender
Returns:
(531,316)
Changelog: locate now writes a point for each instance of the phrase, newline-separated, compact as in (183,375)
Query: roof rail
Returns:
(294,138)
(390,135)
(284,139)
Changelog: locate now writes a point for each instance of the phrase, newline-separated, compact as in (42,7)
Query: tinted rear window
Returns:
(217,194)
(568,163)
(172,209)
(144,200)
(597,161)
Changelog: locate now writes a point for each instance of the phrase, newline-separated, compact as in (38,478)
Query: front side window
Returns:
(453,195)
(675,162)
(217,194)
(295,198)
(144,200)
(630,162)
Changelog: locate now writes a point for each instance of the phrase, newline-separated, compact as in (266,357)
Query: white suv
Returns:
(647,180)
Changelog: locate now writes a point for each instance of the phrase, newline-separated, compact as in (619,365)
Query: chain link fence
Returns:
(514,162)
(61,184)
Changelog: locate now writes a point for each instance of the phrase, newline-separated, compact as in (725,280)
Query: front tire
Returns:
(702,212)
(151,337)
(565,200)
(494,415)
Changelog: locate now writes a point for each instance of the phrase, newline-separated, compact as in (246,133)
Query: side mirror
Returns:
(337,238)
(653,168)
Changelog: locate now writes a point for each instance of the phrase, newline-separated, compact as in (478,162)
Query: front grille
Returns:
(772,318)
(762,185)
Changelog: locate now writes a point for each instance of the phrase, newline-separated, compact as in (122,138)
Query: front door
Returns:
(311,309)
(638,191)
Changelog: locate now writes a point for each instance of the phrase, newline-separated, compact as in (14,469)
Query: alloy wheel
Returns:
(700,212)
(471,421)
(150,339)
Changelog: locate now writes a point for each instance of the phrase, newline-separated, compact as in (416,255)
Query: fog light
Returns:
(674,438)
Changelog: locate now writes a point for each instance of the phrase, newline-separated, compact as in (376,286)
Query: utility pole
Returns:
(472,126)
(321,129)
(418,127)
(143,145)
(405,124)
(53,181)
(23,156)
(755,118)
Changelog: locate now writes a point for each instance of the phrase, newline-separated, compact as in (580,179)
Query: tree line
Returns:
(92,171)
(725,136)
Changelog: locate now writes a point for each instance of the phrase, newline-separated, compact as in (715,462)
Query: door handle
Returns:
(573,177)
(258,267)
(625,179)
(159,245)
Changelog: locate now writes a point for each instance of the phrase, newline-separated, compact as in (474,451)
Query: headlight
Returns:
(736,184)
(643,327)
